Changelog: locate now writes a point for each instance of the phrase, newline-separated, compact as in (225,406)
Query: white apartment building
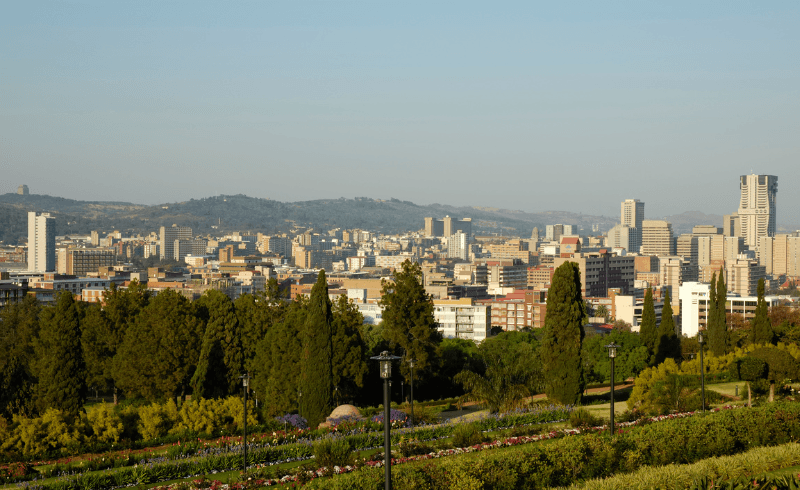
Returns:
(461,319)
(694,297)
(41,242)
(757,217)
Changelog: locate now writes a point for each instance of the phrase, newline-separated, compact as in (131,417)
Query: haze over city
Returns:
(522,106)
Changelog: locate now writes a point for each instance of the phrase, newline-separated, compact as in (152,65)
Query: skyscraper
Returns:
(632,215)
(168,237)
(41,242)
(757,207)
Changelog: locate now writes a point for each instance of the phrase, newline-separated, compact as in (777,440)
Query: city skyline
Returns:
(152,103)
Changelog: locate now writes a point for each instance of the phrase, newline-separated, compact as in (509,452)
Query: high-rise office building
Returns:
(632,214)
(167,239)
(41,242)
(757,207)
(657,238)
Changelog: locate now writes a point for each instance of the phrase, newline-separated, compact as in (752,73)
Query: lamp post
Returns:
(246,385)
(702,370)
(385,362)
(411,362)
(612,354)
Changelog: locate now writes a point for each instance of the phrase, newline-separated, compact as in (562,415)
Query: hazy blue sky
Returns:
(530,105)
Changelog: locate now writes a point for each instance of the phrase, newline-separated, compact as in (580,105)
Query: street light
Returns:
(702,371)
(245,384)
(385,362)
(411,362)
(612,354)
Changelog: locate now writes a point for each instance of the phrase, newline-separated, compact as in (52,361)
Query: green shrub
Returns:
(413,447)
(234,409)
(203,415)
(156,420)
(105,423)
(33,437)
(582,418)
(332,451)
(467,435)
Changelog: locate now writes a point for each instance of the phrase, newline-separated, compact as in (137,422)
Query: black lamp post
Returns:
(246,385)
(612,354)
(411,362)
(385,360)
(702,370)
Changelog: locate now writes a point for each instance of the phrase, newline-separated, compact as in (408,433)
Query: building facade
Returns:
(41,242)
(757,217)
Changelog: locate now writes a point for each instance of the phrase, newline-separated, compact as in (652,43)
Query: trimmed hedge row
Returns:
(726,470)
(566,461)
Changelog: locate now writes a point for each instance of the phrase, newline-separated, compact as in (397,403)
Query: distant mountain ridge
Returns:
(227,213)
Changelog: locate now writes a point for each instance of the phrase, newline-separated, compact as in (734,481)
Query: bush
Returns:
(467,435)
(205,415)
(105,423)
(412,447)
(295,420)
(333,451)
(582,418)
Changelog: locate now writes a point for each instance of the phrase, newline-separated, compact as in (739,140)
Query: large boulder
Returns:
(339,412)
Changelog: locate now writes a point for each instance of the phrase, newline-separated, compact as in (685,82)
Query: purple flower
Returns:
(293,419)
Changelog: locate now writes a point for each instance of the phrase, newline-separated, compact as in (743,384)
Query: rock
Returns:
(341,411)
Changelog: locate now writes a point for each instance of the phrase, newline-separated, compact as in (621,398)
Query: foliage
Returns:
(349,365)
(19,326)
(761,328)
(512,371)
(667,342)
(316,363)
(630,361)
(59,365)
(221,360)
(156,420)
(408,320)
(717,325)
(105,423)
(641,397)
(277,381)
(647,327)
(293,419)
(562,336)
(332,451)
(582,418)
(467,435)
(53,430)
(158,356)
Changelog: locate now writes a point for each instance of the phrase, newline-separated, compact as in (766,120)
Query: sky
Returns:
(571,106)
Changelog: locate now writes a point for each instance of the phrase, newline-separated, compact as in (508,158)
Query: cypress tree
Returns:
(19,327)
(221,360)
(316,364)
(349,350)
(647,329)
(562,336)
(718,335)
(409,323)
(277,379)
(711,308)
(669,346)
(59,364)
(760,326)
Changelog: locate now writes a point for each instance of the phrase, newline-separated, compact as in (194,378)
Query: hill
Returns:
(243,213)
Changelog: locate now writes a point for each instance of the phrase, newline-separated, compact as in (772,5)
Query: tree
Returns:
(780,366)
(749,369)
(718,329)
(408,321)
(59,365)
(161,347)
(562,336)
(316,363)
(761,328)
(19,327)
(511,371)
(221,360)
(602,311)
(349,350)
(647,329)
(668,344)
(632,356)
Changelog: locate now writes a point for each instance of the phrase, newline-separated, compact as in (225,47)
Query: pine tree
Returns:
(19,327)
(761,327)
(349,350)
(669,346)
(408,321)
(161,347)
(647,329)
(562,336)
(59,365)
(316,364)
(221,360)
(718,334)
(277,379)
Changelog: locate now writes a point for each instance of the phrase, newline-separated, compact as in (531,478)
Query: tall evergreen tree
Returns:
(276,379)
(669,345)
(316,364)
(718,334)
(161,347)
(59,365)
(19,327)
(349,350)
(760,326)
(647,329)
(408,321)
(562,336)
(221,360)
(711,308)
